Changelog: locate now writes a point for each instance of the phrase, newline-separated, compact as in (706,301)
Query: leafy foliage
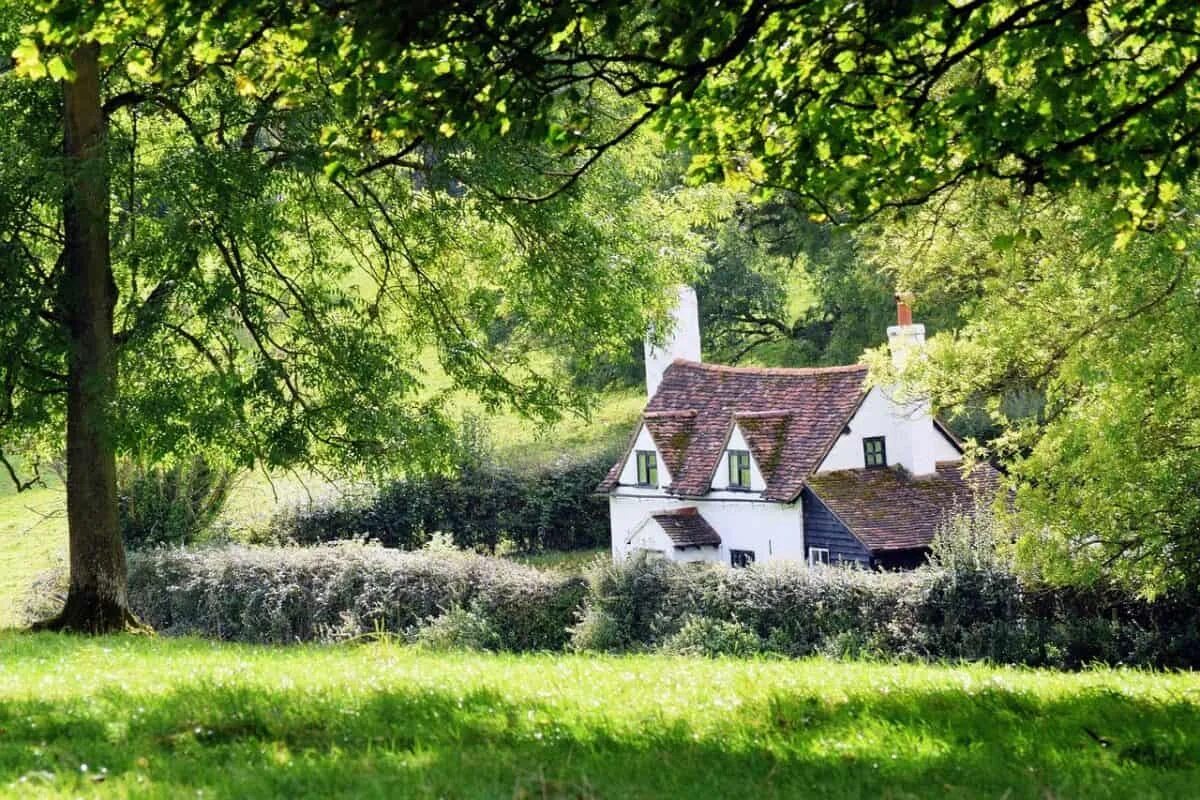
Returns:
(969,613)
(854,107)
(287,595)
(170,506)
(485,503)
(1097,332)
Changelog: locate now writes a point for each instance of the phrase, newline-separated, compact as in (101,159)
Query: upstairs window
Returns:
(818,555)
(647,468)
(739,469)
(874,452)
(741,558)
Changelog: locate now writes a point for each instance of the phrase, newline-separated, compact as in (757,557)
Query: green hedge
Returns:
(453,599)
(554,508)
(291,594)
(928,614)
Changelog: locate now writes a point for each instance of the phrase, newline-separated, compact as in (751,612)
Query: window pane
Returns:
(652,469)
(874,454)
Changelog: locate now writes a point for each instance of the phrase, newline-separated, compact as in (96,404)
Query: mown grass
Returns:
(140,717)
(573,561)
(33,539)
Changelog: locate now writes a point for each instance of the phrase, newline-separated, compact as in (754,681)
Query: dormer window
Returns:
(739,469)
(647,468)
(874,451)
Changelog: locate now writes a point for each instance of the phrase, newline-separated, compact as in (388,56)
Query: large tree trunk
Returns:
(97,599)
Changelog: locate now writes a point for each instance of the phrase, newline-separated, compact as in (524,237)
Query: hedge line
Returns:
(449,598)
(282,595)
(554,508)
(928,614)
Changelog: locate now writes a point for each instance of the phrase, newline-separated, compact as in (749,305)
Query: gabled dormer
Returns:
(738,469)
(644,465)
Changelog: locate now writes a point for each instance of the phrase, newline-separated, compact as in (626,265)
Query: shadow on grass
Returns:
(227,740)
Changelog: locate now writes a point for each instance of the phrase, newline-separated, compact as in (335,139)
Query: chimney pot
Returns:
(903,311)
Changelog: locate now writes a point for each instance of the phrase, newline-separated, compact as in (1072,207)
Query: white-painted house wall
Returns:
(910,437)
(773,531)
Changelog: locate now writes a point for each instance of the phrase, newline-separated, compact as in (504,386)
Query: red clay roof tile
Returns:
(686,528)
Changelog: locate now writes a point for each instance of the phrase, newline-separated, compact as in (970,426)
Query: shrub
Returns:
(170,506)
(459,629)
(260,594)
(485,503)
(929,614)
(451,599)
(700,636)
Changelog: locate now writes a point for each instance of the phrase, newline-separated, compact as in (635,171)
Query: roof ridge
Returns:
(780,412)
(769,370)
(670,412)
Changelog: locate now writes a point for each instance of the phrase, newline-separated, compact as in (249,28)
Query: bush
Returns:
(170,506)
(259,594)
(551,509)
(700,636)
(928,614)
(446,598)
(459,629)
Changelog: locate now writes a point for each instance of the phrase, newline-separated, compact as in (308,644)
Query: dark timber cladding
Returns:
(823,529)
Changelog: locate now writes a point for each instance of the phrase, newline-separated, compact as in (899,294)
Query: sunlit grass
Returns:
(169,718)
(33,538)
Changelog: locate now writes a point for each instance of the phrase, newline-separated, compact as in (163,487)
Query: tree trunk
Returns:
(97,599)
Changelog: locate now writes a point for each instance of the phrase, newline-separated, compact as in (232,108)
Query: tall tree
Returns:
(1102,337)
(193,276)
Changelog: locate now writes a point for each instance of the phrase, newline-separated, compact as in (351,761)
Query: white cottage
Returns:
(740,465)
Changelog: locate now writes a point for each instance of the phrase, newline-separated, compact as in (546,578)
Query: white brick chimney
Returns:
(682,341)
(919,439)
(904,338)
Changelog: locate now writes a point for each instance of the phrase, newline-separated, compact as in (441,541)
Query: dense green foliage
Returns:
(301,594)
(287,595)
(553,507)
(170,506)
(162,718)
(986,614)
(854,107)
(1081,351)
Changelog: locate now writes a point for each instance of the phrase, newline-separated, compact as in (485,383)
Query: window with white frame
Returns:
(818,555)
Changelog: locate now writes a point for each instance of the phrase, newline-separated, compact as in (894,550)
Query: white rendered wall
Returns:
(629,470)
(774,531)
(682,341)
(911,440)
(720,479)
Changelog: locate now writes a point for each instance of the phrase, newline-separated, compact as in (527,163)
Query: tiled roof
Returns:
(790,418)
(887,509)
(686,528)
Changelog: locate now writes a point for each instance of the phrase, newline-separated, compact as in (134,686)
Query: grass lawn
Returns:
(127,716)
(575,561)
(33,538)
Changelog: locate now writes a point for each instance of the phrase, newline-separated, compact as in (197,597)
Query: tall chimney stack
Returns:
(904,337)
(682,341)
